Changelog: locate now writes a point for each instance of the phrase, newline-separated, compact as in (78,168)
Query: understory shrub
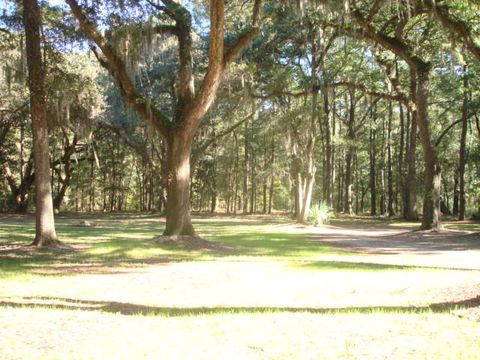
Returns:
(320,214)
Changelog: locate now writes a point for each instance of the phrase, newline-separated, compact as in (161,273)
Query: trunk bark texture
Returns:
(45,225)
(178,186)
(432,185)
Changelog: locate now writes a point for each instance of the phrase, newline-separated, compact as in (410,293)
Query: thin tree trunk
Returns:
(347,205)
(272,179)
(237,161)
(373,164)
(45,233)
(390,209)
(92,183)
(463,140)
(327,177)
(410,210)
(401,170)
(245,169)
(455,193)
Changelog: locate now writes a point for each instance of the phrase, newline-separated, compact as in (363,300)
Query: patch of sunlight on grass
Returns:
(463,226)
(403,223)
(102,250)
(145,253)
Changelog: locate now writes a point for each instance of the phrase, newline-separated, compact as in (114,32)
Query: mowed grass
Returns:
(128,240)
(270,292)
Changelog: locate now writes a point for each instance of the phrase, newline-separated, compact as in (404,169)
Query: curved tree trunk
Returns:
(45,226)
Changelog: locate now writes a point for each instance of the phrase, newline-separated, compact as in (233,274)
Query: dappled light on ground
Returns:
(294,281)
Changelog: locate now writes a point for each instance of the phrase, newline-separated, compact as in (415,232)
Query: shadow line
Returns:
(137,309)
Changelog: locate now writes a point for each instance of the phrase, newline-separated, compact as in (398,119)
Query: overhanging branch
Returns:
(144,108)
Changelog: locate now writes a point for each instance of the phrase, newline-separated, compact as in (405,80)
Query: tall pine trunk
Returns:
(390,209)
(45,225)
(463,140)
(348,196)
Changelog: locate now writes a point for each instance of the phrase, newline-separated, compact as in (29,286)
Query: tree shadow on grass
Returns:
(412,242)
(131,244)
(145,310)
(362,266)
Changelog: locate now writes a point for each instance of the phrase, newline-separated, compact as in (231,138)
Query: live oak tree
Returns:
(420,69)
(191,105)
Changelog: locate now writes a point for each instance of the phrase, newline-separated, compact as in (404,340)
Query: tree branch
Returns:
(246,37)
(144,109)
(196,109)
(140,149)
(391,43)
(350,85)
(220,135)
(455,26)
(444,132)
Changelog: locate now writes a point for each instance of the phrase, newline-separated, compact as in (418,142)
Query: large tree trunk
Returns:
(431,200)
(45,226)
(178,188)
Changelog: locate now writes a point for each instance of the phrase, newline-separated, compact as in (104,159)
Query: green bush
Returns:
(320,214)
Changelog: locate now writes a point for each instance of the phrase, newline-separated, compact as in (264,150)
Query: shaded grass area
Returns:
(356,266)
(448,222)
(145,310)
(127,240)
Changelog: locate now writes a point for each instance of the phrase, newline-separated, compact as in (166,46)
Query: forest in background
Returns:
(359,108)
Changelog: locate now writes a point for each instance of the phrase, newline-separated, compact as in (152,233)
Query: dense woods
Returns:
(366,107)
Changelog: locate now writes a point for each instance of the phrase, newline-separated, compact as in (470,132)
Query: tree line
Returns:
(370,107)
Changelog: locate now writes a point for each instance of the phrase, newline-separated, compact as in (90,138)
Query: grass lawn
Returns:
(273,290)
